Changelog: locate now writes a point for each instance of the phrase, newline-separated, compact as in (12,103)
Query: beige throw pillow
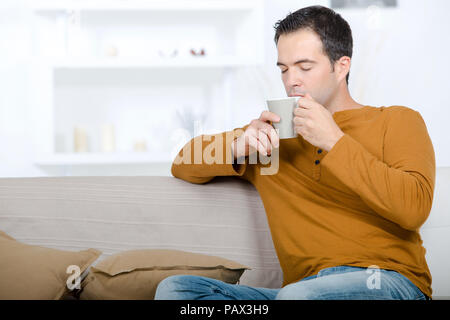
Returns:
(34,272)
(135,274)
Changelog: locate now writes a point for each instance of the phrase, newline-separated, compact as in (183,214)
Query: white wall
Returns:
(399,59)
(15,43)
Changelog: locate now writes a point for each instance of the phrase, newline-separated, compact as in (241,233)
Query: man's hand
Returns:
(316,124)
(259,136)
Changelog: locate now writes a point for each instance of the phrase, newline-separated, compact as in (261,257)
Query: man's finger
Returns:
(269,116)
(300,112)
(257,145)
(274,138)
(298,121)
(305,103)
(270,132)
(264,140)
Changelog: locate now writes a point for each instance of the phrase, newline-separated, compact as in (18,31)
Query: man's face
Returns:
(305,67)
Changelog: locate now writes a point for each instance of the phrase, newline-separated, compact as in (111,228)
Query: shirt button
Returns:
(317,162)
(319,151)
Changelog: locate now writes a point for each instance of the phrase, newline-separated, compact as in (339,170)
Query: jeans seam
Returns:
(343,267)
(421,296)
(222,291)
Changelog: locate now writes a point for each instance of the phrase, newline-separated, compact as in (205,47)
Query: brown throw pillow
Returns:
(34,272)
(135,274)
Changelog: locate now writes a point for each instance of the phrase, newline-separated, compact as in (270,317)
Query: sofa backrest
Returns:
(224,218)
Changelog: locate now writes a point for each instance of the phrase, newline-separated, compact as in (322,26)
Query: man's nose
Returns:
(293,79)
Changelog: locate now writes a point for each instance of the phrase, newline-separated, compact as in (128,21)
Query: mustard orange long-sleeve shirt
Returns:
(360,204)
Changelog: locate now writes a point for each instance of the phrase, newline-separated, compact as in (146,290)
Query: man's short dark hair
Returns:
(333,30)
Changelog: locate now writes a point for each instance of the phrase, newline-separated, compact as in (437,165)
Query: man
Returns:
(351,192)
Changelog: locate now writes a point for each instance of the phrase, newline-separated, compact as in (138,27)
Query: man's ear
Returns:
(342,67)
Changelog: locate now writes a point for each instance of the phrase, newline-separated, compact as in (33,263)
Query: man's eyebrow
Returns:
(297,62)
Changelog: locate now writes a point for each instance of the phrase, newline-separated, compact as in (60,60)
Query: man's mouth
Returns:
(296,93)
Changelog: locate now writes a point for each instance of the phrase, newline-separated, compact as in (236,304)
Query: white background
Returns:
(400,58)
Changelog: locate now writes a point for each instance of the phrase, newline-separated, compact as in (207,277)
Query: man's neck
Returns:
(343,102)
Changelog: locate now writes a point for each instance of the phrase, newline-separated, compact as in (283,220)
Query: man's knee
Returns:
(297,291)
(169,287)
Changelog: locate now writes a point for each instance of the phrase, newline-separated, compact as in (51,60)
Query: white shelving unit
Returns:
(98,63)
(166,5)
(94,158)
(71,38)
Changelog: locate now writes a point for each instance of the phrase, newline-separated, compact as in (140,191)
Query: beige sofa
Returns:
(224,217)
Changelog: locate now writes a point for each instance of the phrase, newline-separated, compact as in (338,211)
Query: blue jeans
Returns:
(335,283)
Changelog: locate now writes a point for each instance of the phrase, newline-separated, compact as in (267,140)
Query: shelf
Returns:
(115,158)
(139,5)
(74,68)
(116,62)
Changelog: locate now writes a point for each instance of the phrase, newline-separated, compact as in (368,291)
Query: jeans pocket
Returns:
(413,290)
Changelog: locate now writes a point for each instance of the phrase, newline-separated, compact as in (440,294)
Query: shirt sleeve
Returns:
(400,186)
(207,156)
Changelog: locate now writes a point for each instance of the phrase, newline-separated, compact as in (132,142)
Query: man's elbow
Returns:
(174,170)
(417,210)
(415,220)
(183,174)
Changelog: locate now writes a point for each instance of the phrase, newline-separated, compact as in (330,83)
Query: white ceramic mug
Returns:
(284,108)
